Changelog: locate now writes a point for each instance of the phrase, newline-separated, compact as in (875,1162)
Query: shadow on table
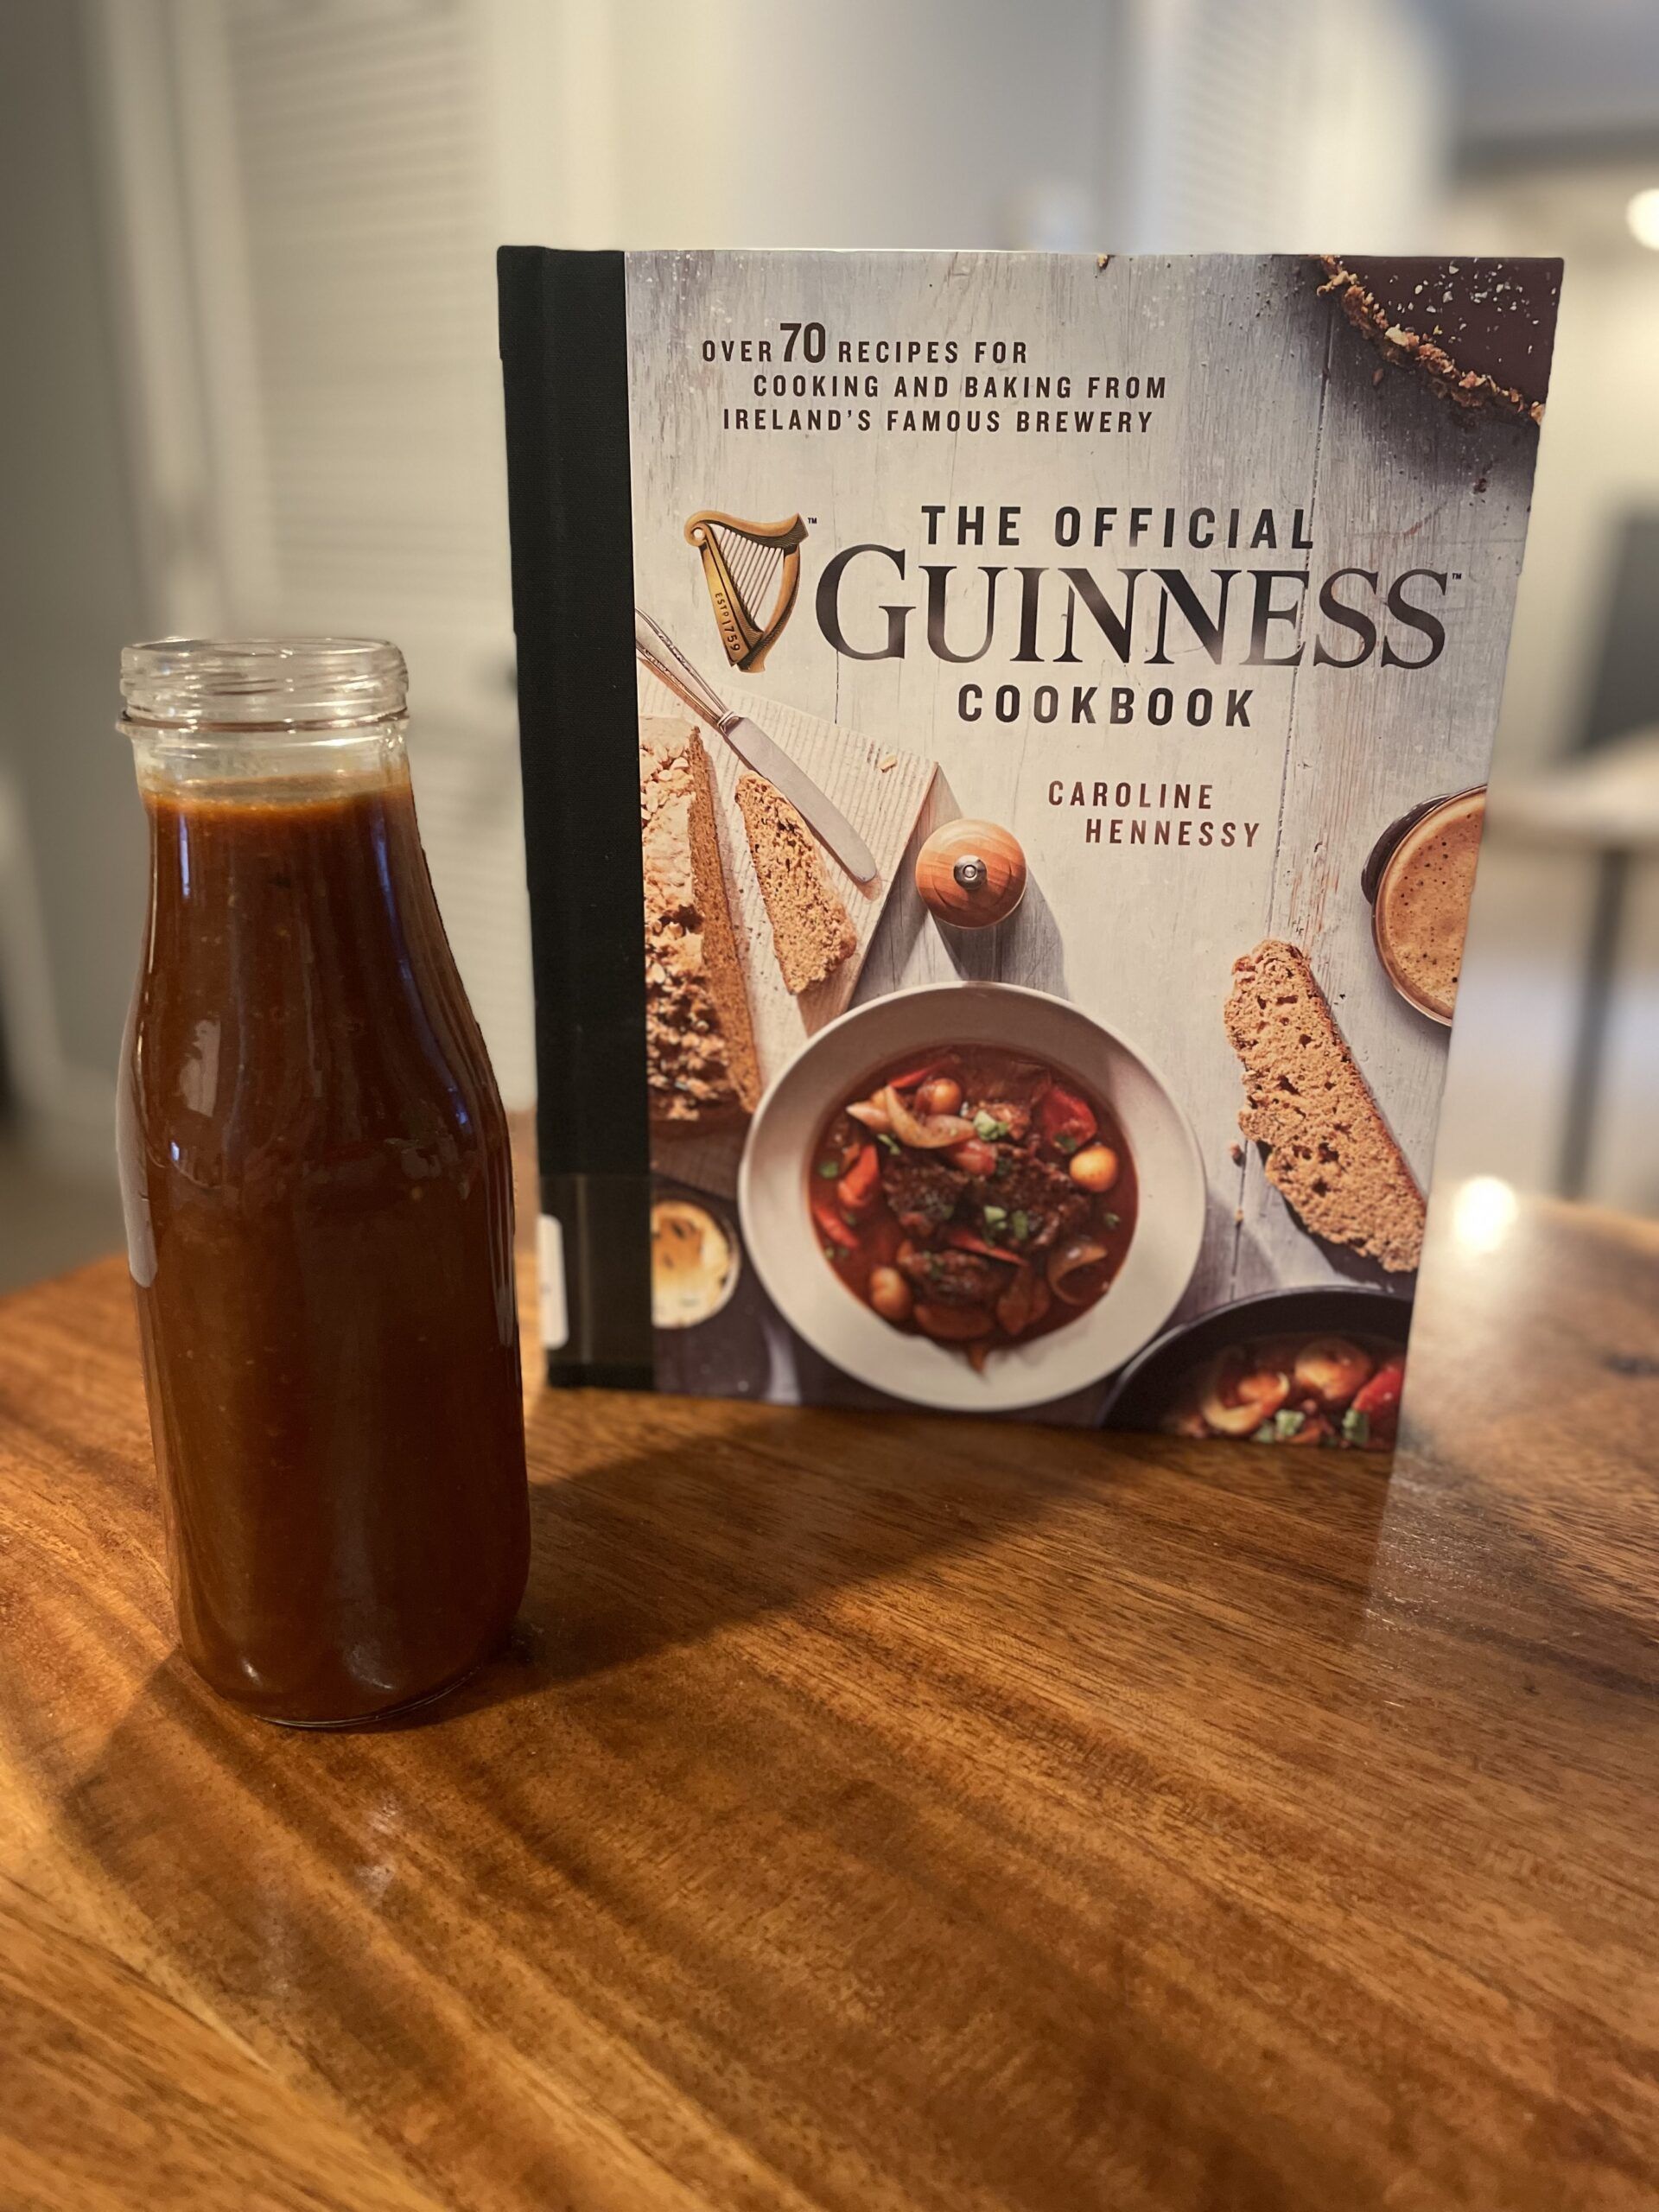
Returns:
(206,1819)
(663,1549)
(660,1551)
(344,1901)
(339,1897)
(1150,1551)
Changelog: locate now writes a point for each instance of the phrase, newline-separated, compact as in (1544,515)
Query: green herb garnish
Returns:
(829,1169)
(995,1217)
(1111,1221)
(1286,1423)
(1019,1226)
(1356,1427)
(1067,1142)
(986,1126)
(1265,1434)
(886,1137)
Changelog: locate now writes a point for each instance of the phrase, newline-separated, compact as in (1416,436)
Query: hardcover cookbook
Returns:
(1005,740)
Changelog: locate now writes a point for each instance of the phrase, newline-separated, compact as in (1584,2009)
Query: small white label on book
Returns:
(555,1312)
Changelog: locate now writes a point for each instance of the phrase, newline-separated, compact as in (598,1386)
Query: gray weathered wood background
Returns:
(1273,401)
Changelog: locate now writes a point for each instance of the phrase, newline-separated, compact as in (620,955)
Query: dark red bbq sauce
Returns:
(320,1220)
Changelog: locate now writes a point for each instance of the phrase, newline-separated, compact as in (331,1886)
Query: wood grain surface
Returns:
(893,1816)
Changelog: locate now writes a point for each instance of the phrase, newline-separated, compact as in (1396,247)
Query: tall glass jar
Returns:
(314,1165)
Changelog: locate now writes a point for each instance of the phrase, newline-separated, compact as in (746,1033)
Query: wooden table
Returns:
(881,1816)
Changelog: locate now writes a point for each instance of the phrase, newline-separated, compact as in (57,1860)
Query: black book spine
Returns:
(563,326)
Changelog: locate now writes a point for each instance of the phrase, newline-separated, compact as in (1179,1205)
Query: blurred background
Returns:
(251,384)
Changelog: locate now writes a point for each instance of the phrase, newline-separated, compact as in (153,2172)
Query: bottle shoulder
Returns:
(297,993)
(222,1074)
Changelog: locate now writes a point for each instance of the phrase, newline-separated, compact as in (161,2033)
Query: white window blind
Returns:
(339,196)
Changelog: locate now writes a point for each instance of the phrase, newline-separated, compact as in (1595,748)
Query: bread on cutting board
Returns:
(1329,1150)
(702,1069)
(810,925)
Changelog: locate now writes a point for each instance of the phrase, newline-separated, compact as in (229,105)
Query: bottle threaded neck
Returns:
(297,686)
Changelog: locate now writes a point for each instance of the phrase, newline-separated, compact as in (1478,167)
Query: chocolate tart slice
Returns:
(1479,329)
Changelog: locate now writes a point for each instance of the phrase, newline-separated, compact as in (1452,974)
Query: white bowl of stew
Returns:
(972,1195)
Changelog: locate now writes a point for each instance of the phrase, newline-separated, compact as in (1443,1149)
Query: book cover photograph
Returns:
(1005,740)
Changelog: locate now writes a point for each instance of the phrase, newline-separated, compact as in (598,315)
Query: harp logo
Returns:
(752,571)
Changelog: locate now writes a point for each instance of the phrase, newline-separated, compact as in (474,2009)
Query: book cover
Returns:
(1004,740)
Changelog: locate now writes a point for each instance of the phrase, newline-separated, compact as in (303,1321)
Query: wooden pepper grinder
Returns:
(971,873)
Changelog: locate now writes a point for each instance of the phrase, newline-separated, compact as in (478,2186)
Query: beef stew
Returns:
(975,1195)
(1342,1393)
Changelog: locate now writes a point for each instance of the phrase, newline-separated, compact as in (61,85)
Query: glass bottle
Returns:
(317,1177)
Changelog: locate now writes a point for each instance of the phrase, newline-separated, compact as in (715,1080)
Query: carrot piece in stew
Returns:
(914,1076)
(963,1239)
(860,1187)
(836,1232)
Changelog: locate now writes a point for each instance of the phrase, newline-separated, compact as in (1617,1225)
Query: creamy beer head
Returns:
(1422,902)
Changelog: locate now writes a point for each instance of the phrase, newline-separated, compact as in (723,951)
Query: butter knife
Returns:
(752,744)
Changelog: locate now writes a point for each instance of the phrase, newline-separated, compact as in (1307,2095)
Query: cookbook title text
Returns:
(1256,605)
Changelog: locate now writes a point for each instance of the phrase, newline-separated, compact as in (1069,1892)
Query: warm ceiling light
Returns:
(1641,213)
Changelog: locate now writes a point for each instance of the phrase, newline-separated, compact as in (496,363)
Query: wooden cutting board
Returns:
(882,792)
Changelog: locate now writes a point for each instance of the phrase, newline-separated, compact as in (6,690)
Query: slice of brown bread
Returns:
(701,1068)
(810,927)
(1328,1149)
